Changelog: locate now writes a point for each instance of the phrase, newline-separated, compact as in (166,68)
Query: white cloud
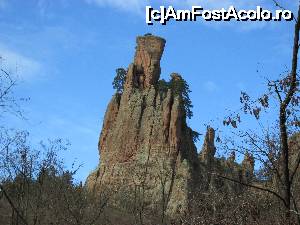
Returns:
(210,86)
(128,5)
(218,4)
(137,7)
(18,64)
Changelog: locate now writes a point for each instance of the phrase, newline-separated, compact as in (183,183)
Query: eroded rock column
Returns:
(145,70)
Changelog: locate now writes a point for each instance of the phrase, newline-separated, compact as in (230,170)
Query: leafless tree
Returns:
(271,148)
(35,187)
(9,102)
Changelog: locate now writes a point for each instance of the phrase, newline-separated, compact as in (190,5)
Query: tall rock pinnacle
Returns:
(145,139)
(147,153)
(145,70)
(208,149)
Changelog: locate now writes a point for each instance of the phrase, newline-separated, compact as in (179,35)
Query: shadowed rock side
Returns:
(145,145)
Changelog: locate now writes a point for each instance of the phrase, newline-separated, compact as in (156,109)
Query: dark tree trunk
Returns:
(283,126)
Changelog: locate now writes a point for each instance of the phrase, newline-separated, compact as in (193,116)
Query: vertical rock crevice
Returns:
(145,70)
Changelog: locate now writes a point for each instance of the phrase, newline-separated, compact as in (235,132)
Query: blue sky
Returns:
(66,53)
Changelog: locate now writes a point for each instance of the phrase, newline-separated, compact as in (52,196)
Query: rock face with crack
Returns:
(146,148)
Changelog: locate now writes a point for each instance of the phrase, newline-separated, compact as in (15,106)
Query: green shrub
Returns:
(119,80)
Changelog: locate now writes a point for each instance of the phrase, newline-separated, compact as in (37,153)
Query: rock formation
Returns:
(145,70)
(208,150)
(210,166)
(145,142)
(147,153)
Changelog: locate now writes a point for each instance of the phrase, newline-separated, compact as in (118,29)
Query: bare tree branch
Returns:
(13,205)
(252,186)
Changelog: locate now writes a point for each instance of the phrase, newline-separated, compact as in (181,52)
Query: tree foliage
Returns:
(37,189)
(272,146)
(119,80)
(179,88)
(9,103)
